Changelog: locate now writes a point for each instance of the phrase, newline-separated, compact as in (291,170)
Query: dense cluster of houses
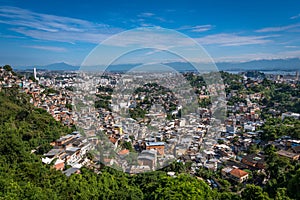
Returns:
(9,79)
(156,142)
(70,150)
(181,138)
(57,100)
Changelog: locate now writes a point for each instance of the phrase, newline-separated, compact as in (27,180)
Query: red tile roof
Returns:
(238,173)
(123,152)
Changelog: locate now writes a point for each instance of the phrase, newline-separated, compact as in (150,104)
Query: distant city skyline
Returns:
(40,33)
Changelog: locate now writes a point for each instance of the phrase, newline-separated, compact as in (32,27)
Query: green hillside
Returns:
(23,176)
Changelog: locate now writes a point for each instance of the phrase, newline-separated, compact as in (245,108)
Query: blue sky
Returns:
(44,32)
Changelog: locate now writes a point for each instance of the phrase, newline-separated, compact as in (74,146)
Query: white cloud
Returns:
(63,36)
(142,17)
(26,18)
(278,28)
(291,46)
(295,17)
(167,39)
(146,14)
(52,27)
(198,28)
(153,52)
(47,48)
(11,36)
(154,37)
(225,39)
(202,28)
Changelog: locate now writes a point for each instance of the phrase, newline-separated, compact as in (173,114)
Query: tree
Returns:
(225,185)
(32,78)
(228,195)
(281,194)
(253,192)
(182,187)
(127,145)
(270,150)
(253,149)
(293,187)
(7,68)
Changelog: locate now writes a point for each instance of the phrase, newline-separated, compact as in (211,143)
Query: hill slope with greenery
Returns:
(23,176)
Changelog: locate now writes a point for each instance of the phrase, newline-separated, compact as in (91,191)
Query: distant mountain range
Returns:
(292,64)
(53,67)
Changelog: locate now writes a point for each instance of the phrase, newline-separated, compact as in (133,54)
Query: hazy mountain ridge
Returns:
(292,64)
(53,66)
